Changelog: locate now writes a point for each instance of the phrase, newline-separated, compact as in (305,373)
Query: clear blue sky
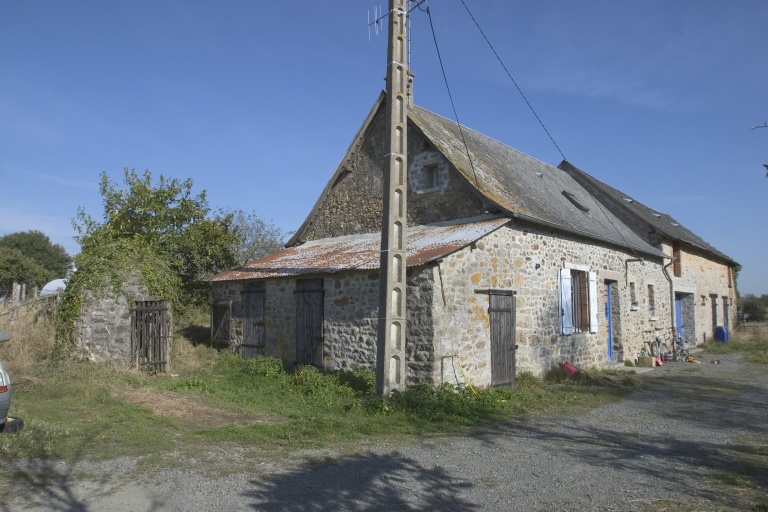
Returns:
(258,101)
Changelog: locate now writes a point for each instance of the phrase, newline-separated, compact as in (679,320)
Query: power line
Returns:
(513,80)
(450,97)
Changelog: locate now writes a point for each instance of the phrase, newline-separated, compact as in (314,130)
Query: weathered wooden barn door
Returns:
(253,320)
(221,322)
(150,335)
(309,321)
(502,319)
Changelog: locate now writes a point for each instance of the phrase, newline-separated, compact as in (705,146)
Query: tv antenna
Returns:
(379,15)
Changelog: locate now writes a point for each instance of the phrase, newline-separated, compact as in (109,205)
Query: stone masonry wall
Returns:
(350,309)
(526,259)
(354,204)
(704,277)
(103,330)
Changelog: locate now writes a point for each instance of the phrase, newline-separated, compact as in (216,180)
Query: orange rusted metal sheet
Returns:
(361,252)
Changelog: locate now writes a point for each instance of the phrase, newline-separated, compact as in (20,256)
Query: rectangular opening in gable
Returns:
(431,176)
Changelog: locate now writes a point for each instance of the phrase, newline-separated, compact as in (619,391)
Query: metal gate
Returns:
(150,336)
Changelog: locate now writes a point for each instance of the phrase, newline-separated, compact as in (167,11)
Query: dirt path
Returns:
(693,437)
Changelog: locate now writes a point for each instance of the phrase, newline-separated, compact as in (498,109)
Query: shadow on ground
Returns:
(366,483)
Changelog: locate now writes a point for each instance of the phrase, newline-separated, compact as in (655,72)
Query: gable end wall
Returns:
(354,203)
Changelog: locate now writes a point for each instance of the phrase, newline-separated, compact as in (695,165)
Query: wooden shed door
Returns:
(253,321)
(309,321)
(502,318)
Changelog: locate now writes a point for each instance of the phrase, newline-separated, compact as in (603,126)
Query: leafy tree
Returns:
(36,246)
(753,307)
(166,218)
(17,266)
(257,238)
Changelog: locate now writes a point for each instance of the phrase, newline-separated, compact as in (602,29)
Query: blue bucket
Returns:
(721,334)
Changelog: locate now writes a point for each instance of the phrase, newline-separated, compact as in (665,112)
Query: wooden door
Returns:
(309,321)
(253,321)
(502,319)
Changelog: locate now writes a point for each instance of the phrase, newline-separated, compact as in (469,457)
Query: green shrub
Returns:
(446,403)
(528,381)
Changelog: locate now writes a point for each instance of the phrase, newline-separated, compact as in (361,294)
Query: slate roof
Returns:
(524,187)
(361,252)
(662,223)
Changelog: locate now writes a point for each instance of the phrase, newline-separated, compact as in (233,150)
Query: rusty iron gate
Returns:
(150,336)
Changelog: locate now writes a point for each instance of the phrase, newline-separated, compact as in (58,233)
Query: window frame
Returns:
(577,290)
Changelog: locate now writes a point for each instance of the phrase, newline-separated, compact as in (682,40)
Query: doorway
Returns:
(502,319)
(309,321)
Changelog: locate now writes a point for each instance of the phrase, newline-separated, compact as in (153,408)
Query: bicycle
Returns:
(654,348)
(672,349)
(681,352)
(659,347)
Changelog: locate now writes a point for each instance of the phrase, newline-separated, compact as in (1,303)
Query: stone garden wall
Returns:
(103,329)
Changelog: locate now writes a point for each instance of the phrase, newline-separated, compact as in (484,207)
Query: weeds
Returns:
(751,340)
(75,409)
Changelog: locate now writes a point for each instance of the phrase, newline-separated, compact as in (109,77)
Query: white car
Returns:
(6,424)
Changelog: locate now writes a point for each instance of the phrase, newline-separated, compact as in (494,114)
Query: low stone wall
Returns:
(103,330)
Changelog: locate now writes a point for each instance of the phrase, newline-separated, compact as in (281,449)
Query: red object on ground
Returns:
(658,362)
(569,368)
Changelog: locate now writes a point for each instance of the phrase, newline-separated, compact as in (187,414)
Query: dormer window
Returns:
(575,200)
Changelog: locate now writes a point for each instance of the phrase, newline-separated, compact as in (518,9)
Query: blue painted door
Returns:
(679,316)
(608,319)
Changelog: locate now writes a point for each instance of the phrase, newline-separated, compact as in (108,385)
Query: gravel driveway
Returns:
(692,437)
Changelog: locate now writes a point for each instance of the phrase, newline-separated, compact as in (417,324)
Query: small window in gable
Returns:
(633,295)
(428,173)
(431,176)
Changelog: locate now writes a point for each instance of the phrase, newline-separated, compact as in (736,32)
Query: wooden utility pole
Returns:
(390,345)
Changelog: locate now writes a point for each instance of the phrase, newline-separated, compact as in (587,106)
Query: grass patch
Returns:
(80,410)
(750,340)
(215,399)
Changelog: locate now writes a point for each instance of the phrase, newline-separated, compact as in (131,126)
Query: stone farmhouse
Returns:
(512,265)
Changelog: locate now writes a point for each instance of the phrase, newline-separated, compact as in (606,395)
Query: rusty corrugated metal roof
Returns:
(360,252)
